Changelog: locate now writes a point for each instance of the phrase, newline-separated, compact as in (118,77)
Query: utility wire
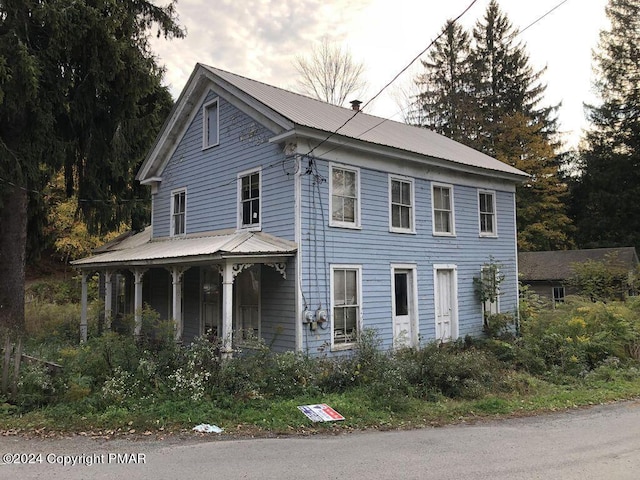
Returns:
(519,32)
(393,79)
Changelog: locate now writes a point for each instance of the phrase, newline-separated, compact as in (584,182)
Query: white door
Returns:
(446,314)
(403,307)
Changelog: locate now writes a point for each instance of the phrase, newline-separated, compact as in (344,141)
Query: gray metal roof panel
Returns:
(312,113)
(141,248)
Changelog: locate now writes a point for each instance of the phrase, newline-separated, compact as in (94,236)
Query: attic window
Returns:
(211,123)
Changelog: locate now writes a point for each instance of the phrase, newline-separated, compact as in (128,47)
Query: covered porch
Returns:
(224,284)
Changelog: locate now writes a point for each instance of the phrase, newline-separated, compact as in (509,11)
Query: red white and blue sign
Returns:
(320,413)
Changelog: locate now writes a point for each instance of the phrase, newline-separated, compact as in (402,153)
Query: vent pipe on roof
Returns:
(355,105)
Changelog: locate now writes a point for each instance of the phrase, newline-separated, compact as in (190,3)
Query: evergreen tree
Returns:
(504,83)
(444,101)
(542,221)
(607,209)
(79,91)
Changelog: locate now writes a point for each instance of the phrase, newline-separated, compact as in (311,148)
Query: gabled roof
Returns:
(540,266)
(290,114)
(140,249)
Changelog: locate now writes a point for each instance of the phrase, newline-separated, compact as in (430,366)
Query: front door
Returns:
(403,307)
(446,304)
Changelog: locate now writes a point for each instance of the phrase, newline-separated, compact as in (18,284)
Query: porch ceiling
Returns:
(140,249)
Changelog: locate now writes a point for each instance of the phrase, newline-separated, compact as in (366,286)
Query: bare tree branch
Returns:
(330,73)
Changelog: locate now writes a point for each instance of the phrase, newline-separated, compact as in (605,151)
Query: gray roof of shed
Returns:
(141,249)
(318,115)
(541,266)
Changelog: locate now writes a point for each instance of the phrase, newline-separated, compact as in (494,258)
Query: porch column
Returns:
(176,274)
(227,310)
(108,295)
(138,274)
(83,314)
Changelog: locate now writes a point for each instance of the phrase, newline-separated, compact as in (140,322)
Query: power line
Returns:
(393,79)
(540,18)
(383,120)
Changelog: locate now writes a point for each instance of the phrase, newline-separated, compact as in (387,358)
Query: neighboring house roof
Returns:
(291,114)
(540,266)
(139,249)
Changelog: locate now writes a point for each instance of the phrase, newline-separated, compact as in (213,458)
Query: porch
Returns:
(225,284)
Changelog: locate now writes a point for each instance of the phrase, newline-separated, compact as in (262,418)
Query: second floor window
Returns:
(443,221)
(178,212)
(401,198)
(249,186)
(344,197)
(487,204)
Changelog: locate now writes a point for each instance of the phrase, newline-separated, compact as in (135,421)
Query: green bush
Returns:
(579,336)
(450,370)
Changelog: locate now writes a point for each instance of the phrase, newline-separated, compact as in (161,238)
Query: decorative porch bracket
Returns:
(280,267)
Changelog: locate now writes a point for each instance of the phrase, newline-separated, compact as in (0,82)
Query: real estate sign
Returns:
(320,413)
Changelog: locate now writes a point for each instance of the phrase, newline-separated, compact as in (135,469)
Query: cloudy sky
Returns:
(260,39)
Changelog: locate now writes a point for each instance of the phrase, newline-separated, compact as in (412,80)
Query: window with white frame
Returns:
(487,208)
(210,122)
(491,279)
(443,218)
(344,197)
(178,212)
(346,304)
(401,205)
(558,295)
(249,187)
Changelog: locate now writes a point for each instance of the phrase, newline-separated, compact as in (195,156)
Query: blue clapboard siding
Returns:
(210,176)
(375,249)
(278,308)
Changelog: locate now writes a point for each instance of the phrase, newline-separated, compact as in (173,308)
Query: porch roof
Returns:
(141,249)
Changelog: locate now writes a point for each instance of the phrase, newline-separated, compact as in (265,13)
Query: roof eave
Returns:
(337,140)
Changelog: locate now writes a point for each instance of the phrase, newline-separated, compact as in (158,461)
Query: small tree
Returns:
(330,74)
(604,280)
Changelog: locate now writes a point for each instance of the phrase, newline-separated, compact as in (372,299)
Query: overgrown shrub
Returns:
(451,370)
(604,280)
(579,336)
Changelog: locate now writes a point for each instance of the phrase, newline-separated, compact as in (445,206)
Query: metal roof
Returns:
(318,115)
(540,266)
(141,249)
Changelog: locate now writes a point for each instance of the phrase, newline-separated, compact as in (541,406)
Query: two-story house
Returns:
(304,223)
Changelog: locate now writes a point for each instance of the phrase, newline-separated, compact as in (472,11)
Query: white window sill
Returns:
(343,347)
(348,226)
(402,230)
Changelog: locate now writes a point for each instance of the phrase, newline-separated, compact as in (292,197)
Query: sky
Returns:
(260,39)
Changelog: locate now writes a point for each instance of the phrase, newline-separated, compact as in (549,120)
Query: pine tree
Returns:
(608,210)
(501,98)
(540,201)
(504,83)
(80,91)
(444,101)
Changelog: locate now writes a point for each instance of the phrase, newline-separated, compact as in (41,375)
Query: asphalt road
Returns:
(597,443)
